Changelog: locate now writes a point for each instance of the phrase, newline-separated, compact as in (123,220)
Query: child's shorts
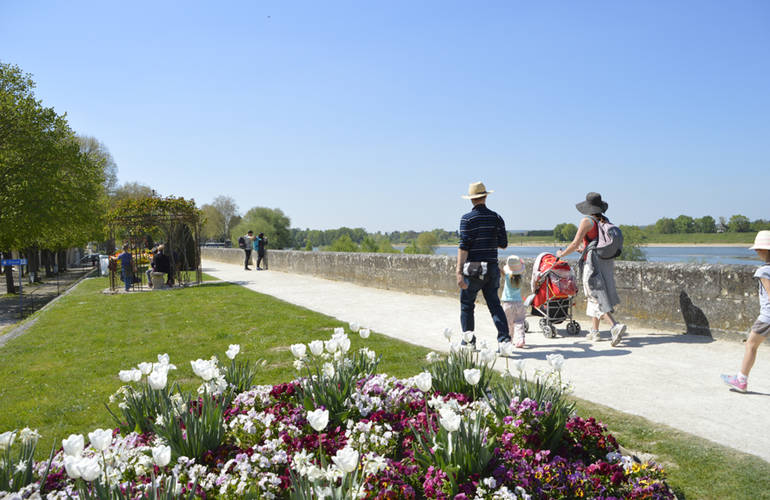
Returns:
(761,327)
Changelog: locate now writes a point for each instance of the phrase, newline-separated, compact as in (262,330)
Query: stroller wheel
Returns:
(573,328)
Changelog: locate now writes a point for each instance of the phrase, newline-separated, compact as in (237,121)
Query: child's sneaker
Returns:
(618,330)
(734,382)
(594,336)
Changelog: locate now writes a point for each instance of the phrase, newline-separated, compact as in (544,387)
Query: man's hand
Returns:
(461,281)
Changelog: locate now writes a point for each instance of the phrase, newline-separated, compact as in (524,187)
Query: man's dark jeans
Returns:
(488,286)
(248,258)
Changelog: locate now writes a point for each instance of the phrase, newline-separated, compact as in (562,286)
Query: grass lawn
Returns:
(58,375)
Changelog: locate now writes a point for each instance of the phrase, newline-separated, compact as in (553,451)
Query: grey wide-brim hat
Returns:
(592,205)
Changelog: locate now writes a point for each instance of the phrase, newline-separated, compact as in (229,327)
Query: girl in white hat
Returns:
(761,327)
(515,310)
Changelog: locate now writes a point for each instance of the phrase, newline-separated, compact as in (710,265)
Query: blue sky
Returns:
(379,114)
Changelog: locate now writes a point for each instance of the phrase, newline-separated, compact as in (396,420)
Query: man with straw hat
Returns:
(482,232)
(761,327)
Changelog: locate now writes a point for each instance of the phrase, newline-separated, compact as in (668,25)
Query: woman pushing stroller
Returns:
(598,275)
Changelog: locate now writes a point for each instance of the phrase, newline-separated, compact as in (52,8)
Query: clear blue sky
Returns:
(379,114)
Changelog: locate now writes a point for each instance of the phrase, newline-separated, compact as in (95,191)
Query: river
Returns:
(690,254)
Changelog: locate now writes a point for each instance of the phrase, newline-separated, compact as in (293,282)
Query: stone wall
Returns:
(713,300)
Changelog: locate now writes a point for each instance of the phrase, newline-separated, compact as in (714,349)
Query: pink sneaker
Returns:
(733,382)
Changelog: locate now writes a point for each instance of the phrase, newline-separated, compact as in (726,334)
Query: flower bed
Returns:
(339,431)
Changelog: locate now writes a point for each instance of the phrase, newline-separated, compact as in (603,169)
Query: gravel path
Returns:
(666,377)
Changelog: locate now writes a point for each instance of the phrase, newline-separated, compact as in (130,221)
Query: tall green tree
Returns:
(213,223)
(665,225)
(739,224)
(52,195)
(271,221)
(228,211)
(705,224)
(684,224)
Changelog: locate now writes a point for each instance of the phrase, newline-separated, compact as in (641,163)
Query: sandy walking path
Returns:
(666,377)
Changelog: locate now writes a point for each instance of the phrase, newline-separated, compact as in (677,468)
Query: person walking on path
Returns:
(515,310)
(761,326)
(248,241)
(126,267)
(482,232)
(598,275)
(260,245)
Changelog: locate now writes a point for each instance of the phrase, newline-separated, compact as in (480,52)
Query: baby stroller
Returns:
(553,292)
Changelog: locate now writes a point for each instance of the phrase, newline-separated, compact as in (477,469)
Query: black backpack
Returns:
(242,242)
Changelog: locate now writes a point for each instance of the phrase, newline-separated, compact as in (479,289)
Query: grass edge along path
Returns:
(57,377)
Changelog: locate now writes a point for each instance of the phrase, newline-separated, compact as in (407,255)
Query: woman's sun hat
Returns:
(762,241)
(592,205)
(513,265)
(476,190)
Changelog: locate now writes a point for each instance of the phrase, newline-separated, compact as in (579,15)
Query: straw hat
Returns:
(513,265)
(476,190)
(762,241)
(592,205)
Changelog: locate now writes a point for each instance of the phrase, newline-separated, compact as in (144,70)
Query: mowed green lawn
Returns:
(58,375)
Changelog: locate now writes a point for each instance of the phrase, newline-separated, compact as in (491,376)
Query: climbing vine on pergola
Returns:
(145,222)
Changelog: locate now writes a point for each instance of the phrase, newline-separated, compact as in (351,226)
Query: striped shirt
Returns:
(482,232)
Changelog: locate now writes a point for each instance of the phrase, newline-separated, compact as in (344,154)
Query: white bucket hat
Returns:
(513,265)
(762,241)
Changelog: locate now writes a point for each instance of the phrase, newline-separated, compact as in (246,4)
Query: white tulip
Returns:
(468,336)
(344,343)
(519,363)
(364,333)
(233,350)
(448,333)
(145,368)
(331,345)
(157,380)
(506,349)
(556,361)
(316,347)
(100,439)
(448,419)
(318,419)
(455,345)
(6,440)
(160,368)
(89,468)
(163,359)
(73,445)
(483,344)
(472,375)
(72,467)
(432,357)
(125,375)
(328,370)
(161,455)
(298,350)
(27,435)
(487,356)
(424,381)
(203,368)
(354,327)
(346,459)
(136,374)
(339,331)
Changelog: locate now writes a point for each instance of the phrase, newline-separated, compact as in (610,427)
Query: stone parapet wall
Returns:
(715,300)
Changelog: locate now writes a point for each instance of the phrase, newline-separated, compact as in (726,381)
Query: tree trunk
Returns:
(62,258)
(48,263)
(33,261)
(8,271)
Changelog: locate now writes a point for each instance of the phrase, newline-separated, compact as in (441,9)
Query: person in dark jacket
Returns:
(482,232)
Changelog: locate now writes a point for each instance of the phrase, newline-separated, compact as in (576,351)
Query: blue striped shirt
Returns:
(482,232)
